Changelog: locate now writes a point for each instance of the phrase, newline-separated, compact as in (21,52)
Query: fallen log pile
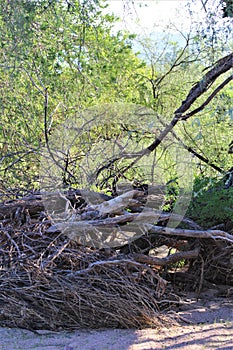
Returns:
(83,259)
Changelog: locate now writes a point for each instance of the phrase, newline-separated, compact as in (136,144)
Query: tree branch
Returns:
(210,234)
(222,66)
(220,87)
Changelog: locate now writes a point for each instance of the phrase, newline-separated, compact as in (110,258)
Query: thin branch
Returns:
(204,4)
(45,118)
(19,159)
(176,63)
(64,169)
(29,76)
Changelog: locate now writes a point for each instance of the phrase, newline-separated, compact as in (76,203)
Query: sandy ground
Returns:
(209,326)
(214,336)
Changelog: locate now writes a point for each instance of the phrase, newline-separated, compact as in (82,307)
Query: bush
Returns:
(212,204)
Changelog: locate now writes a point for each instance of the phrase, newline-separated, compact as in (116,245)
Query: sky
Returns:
(151,15)
(159,20)
(160,23)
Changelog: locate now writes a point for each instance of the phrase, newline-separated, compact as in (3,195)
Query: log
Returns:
(108,232)
(199,234)
(118,204)
(12,209)
(35,204)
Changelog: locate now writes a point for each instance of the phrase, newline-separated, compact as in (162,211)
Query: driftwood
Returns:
(116,205)
(111,225)
(107,214)
(139,218)
(79,225)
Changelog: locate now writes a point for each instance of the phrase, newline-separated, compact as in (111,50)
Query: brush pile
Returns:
(66,273)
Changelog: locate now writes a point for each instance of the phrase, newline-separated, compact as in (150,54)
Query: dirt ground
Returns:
(205,324)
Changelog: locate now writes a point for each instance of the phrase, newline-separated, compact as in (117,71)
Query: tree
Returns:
(56,57)
(59,58)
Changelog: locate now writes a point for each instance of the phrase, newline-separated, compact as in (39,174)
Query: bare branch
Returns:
(221,67)
(204,5)
(210,234)
(80,227)
(176,63)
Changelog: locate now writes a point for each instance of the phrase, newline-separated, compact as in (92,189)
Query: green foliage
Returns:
(172,192)
(211,204)
(67,49)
